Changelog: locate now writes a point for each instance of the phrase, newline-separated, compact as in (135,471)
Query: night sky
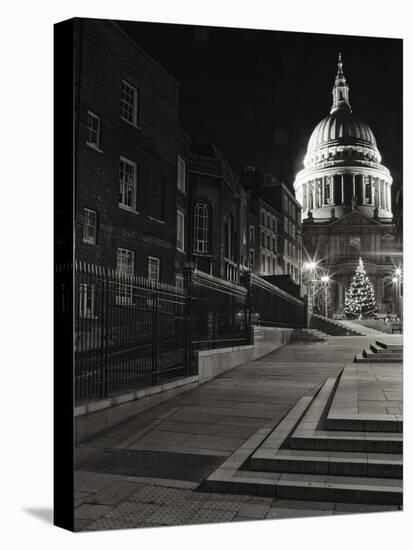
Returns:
(259,94)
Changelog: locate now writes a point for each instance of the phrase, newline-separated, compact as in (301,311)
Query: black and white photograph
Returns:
(228,274)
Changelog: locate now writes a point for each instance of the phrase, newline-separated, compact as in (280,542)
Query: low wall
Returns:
(100,415)
(212,363)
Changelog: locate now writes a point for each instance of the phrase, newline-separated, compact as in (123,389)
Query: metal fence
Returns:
(218,311)
(131,332)
(271,306)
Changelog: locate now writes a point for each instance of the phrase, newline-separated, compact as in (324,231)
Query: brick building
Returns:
(132,157)
(147,201)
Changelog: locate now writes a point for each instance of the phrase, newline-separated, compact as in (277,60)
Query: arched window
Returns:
(202,228)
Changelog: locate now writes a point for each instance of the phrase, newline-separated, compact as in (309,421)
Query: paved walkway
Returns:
(144,472)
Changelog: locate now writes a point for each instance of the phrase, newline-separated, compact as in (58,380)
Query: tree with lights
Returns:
(360,301)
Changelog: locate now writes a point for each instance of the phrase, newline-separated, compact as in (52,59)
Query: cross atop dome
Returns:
(340,89)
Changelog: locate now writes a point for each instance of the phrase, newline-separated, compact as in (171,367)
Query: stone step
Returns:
(364,442)
(367,356)
(385,351)
(332,463)
(366,490)
(389,347)
(306,335)
(367,422)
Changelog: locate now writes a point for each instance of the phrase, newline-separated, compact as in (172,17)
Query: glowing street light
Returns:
(396,280)
(309,266)
(325,279)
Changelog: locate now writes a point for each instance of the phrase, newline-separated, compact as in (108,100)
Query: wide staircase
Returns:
(308,335)
(332,327)
(381,352)
(323,449)
(361,329)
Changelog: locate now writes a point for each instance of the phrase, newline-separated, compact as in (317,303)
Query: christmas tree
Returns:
(360,300)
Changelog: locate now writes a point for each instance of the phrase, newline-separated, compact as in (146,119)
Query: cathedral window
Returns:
(368,193)
(327,193)
(202,228)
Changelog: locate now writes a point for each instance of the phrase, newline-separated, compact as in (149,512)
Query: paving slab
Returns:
(219,419)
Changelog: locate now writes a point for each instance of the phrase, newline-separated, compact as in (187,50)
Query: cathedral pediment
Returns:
(355,218)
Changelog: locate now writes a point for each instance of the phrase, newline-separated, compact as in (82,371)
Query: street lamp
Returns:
(325,279)
(396,281)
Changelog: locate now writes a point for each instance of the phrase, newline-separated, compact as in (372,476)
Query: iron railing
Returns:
(131,332)
(218,311)
(271,306)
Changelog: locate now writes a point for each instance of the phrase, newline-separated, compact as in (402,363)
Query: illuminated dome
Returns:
(342,126)
(342,166)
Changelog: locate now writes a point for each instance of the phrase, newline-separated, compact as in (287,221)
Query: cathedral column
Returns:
(323,185)
(363,190)
(376,191)
(342,188)
(354,184)
(388,197)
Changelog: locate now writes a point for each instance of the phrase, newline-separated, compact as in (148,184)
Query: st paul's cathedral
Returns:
(345,193)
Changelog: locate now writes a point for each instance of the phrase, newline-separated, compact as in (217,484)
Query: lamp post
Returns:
(309,267)
(325,279)
(396,281)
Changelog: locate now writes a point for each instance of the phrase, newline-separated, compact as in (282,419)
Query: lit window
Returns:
(180,231)
(89,226)
(202,228)
(129,103)
(181,175)
(273,266)
(127,183)
(263,263)
(154,266)
(93,130)
(125,263)
(87,301)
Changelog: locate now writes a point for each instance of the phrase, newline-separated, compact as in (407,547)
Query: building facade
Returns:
(345,193)
(132,177)
(219,232)
(148,202)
